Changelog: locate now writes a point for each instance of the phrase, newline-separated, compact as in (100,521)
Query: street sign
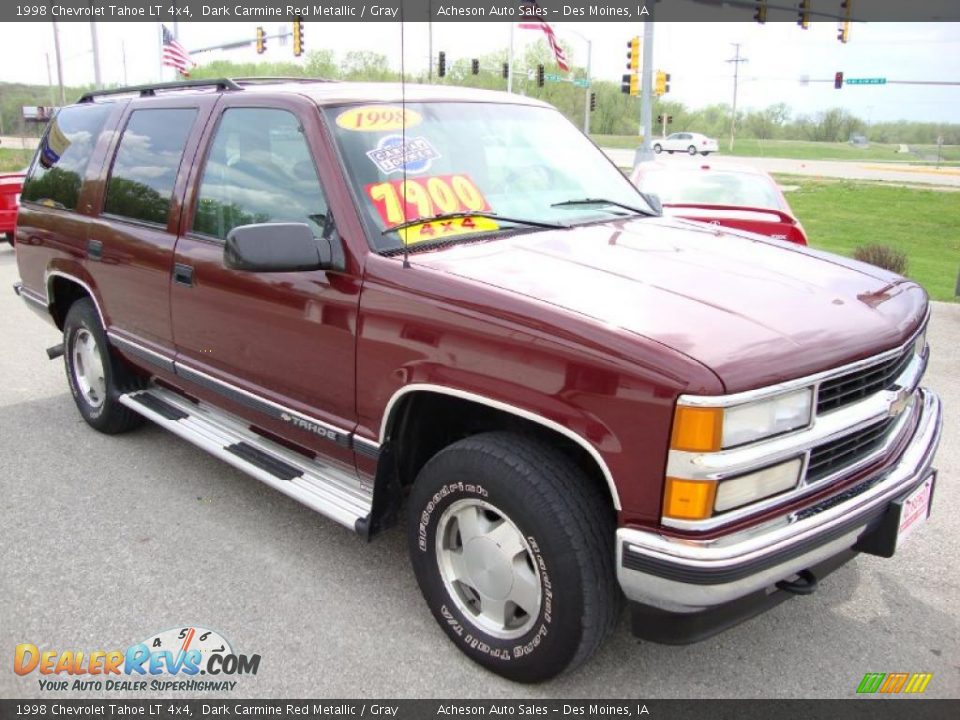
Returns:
(581,82)
(865,81)
(553,78)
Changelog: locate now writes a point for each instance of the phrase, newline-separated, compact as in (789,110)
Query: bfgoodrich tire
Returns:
(513,548)
(95,376)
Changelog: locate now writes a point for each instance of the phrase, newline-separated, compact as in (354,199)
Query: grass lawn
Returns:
(925,224)
(14,159)
(803,150)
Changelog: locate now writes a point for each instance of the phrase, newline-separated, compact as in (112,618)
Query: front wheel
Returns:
(692,150)
(705,153)
(657,149)
(512,546)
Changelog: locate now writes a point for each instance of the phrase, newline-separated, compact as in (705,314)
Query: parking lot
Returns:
(110,540)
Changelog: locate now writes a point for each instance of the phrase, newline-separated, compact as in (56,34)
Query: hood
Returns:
(753,310)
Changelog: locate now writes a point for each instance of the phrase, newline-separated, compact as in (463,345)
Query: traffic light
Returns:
(662,86)
(541,77)
(474,67)
(633,53)
(630,84)
(261,41)
(506,70)
(297,36)
(843,32)
(441,64)
(803,14)
(593,102)
(760,14)
(838,81)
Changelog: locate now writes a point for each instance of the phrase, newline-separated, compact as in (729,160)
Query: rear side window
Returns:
(259,170)
(64,154)
(146,165)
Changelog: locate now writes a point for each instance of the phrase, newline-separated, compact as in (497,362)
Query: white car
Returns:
(691,143)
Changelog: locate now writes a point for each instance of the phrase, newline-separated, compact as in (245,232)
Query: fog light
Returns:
(758,485)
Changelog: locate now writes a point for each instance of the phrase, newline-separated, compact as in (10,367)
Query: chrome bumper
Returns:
(685,575)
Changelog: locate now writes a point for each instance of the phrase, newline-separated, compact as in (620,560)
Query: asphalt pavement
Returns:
(895,173)
(109,540)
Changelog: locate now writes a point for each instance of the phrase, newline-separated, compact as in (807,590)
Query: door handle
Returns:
(183,274)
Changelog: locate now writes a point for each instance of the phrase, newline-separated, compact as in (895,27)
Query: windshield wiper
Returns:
(455,215)
(604,201)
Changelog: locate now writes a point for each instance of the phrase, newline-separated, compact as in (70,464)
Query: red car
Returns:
(10,187)
(736,196)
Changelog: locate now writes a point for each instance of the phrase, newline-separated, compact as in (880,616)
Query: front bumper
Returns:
(683,575)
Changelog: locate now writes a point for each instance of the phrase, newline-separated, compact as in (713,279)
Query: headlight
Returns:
(708,429)
(757,485)
(765,418)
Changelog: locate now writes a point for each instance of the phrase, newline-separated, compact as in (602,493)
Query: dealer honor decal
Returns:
(392,155)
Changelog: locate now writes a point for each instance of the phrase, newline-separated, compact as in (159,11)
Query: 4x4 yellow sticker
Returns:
(442,229)
(378,118)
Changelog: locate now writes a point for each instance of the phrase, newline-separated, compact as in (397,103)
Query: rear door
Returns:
(130,244)
(276,348)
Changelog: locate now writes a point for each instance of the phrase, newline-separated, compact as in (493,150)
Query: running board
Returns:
(319,485)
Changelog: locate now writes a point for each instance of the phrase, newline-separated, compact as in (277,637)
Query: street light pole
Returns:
(645,151)
(586,99)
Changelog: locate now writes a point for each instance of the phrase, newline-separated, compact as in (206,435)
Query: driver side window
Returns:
(259,170)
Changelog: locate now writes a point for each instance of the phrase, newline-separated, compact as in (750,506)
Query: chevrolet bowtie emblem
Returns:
(899,403)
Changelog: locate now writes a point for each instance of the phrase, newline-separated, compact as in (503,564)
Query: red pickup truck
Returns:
(376,298)
(10,186)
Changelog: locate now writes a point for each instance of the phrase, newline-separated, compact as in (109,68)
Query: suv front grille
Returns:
(838,392)
(846,451)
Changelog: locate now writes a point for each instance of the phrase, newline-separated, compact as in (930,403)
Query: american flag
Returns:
(558,53)
(174,55)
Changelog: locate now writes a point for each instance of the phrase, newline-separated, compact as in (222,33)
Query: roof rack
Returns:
(265,79)
(150,90)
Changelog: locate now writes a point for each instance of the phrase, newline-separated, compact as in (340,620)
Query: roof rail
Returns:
(150,90)
(266,79)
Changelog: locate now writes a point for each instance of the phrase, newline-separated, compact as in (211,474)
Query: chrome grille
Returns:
(838,454)
(846,389)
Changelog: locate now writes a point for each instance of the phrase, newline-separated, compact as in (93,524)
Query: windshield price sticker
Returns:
(425,197)
(442,229)
(378,118)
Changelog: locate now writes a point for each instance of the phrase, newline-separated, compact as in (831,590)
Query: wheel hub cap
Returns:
(488,568)
(88,368)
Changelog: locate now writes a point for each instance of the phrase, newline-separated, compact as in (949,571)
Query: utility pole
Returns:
(736,60)
(97,80)
(53,99)
(586,99)
(56,48)
(645,151)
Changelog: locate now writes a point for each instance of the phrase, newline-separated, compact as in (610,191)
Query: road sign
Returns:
(865,81)
(553,78)
(581,82)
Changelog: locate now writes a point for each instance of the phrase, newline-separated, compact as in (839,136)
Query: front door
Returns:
(276,348)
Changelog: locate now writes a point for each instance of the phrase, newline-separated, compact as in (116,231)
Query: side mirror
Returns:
(278,247)
(653,200)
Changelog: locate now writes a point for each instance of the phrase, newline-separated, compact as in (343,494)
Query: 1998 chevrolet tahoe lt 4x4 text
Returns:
(371,297)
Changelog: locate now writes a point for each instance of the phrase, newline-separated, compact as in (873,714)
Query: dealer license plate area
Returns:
(914,510)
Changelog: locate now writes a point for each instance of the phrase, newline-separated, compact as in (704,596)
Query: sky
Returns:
(779,56)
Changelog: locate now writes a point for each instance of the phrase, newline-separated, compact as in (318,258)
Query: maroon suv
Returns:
(448,300)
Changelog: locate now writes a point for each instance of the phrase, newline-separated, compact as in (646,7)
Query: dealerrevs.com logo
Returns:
(185,658)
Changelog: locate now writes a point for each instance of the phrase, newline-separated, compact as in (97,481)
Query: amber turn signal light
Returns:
(697,429)
(689,499)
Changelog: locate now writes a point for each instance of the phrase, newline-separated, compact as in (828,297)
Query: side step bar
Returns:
(321,486)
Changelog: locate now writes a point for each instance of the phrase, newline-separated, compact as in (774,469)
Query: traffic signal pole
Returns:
(645,151)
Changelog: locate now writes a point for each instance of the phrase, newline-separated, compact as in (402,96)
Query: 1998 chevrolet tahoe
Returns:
(371,296)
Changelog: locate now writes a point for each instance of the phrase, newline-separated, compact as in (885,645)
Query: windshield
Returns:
(513,161)
(711,187)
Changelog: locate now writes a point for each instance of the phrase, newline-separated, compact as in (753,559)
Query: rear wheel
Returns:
(705,153)
(512,546)
(692,150)
(96,378)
